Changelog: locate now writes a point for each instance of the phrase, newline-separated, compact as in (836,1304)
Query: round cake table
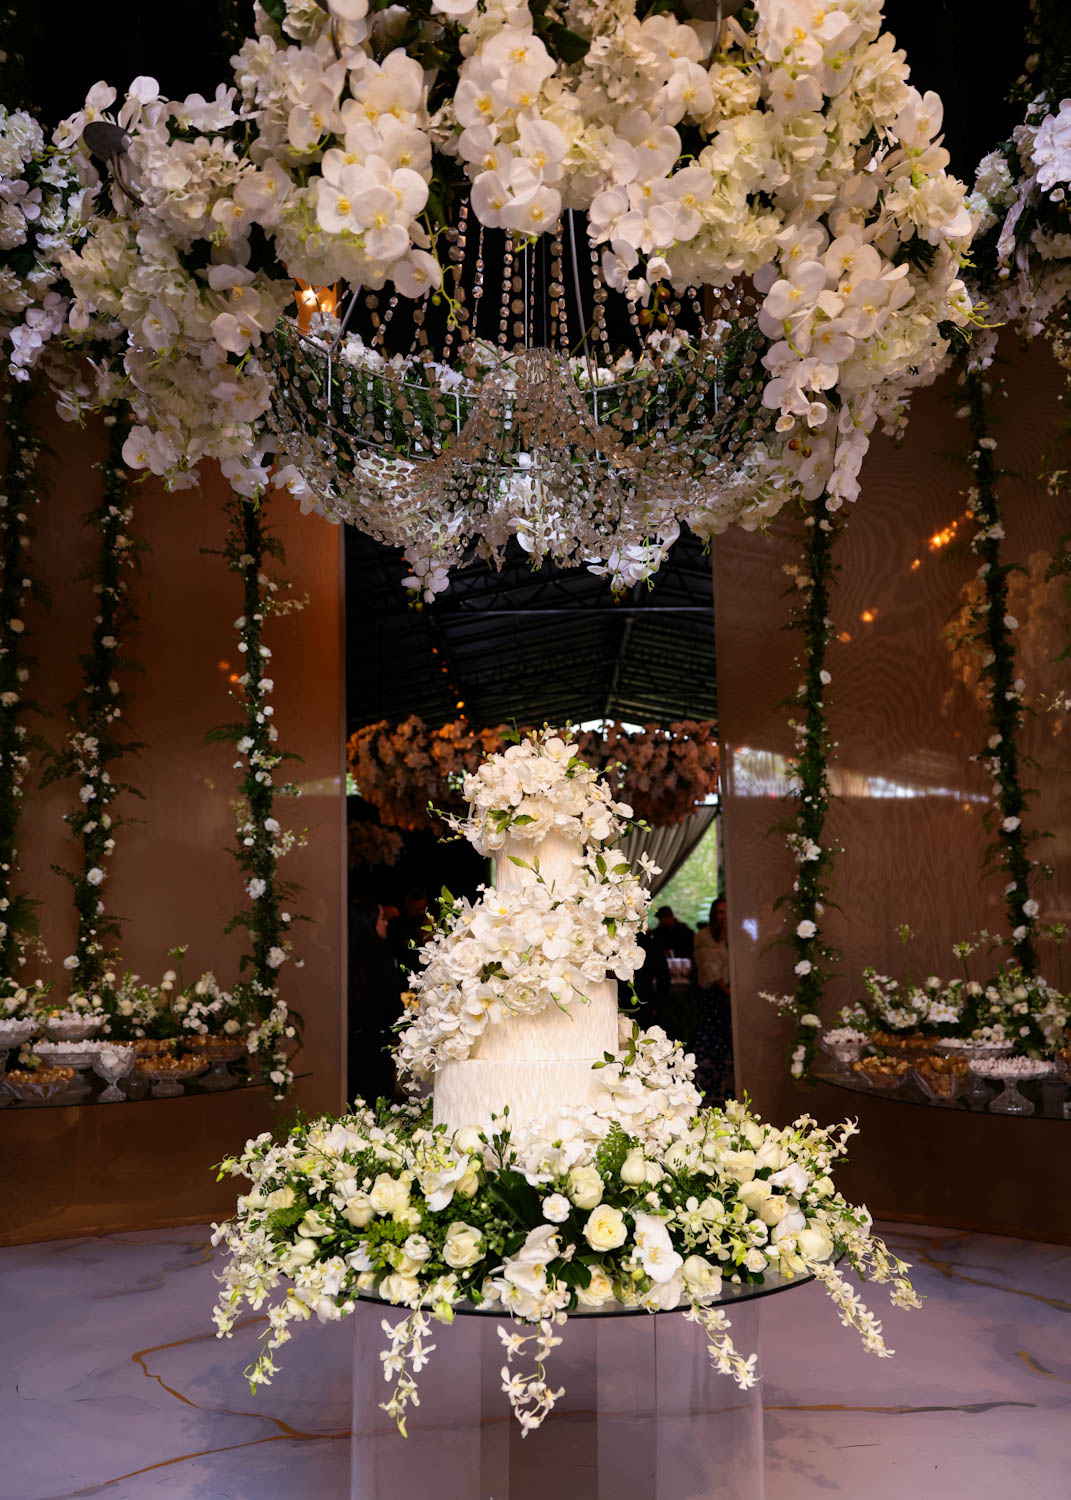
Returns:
(645,1416)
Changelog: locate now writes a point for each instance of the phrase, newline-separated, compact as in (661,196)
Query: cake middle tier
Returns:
(583,1031)
(537,1094)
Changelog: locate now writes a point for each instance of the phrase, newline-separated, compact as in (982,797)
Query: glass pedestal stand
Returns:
(645,1416)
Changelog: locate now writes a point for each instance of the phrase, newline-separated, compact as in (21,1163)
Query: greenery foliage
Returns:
(98,736)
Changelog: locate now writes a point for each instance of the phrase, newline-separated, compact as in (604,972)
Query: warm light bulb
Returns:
(869,616)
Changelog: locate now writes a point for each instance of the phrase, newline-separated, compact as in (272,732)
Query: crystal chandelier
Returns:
(523,400)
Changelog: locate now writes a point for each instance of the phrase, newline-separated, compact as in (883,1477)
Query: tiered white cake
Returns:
(536,1065)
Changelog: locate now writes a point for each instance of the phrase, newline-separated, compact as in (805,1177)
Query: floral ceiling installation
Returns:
(407,769)
(364,148)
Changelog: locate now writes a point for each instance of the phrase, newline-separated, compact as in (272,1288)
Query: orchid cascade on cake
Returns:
(539,942)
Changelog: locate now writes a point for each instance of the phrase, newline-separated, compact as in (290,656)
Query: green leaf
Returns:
(570,46)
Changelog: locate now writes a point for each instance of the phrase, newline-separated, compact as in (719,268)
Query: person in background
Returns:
(673,938)
(713,1044)
(410,928)
(375,988)
(651,982)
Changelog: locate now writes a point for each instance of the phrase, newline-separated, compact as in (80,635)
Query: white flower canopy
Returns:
(764,195)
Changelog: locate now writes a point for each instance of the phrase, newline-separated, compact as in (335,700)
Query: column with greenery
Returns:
(261,841)
(19,494)
(808,780)
(98,736)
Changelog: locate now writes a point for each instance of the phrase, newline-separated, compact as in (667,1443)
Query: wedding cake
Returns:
(517,999)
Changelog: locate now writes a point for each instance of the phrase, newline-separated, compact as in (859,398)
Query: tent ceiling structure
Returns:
(550,646)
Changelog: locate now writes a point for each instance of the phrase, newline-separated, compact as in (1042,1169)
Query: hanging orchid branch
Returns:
(995,627)
(95,740)
(18,922)
(261,841)
(808,778)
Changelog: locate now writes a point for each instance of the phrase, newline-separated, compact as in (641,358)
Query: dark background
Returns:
(969,53)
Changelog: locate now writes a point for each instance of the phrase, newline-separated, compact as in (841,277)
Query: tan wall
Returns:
(899,714)
(69,1171)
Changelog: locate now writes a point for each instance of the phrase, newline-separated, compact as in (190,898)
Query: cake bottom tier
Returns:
(472,1091)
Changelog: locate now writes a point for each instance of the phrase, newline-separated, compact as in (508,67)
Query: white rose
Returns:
(417,1249)
(814,1243)
(358,1210)
(463,1245)
(281,1198)
(771,1154)
(773,1211)
(600,1289)
(754,1194)
(313,1225)
(389,1195)
(468,1186)
(738,1166)
(634,1169)
(399,1288)
(755,1261)
(585,1187)
(701,1277)
(301,1253)
(679,1158)
(753,1133)
(605,1228)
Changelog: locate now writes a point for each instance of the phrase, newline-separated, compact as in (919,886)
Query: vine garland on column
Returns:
(261,840)
(995,627)
(95,741)
(20,493)
(808,780)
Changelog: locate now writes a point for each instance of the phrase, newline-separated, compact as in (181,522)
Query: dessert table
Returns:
(644,1416)
(1050,1097)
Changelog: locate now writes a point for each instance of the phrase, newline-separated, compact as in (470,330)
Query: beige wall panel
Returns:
(911,802)
(107,1167)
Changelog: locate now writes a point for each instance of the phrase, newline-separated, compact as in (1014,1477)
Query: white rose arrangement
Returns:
(372,1205)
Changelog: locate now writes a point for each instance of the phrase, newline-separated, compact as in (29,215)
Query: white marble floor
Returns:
(112,1384)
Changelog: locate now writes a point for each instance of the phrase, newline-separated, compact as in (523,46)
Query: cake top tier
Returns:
(538,787)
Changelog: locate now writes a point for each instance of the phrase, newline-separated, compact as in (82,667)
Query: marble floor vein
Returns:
(114,1385)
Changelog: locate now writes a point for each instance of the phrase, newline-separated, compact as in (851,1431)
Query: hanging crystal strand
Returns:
(459,238)
(521,300)
(559,315)
(381,324)
(507,293)
(599,296)
(471,331)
